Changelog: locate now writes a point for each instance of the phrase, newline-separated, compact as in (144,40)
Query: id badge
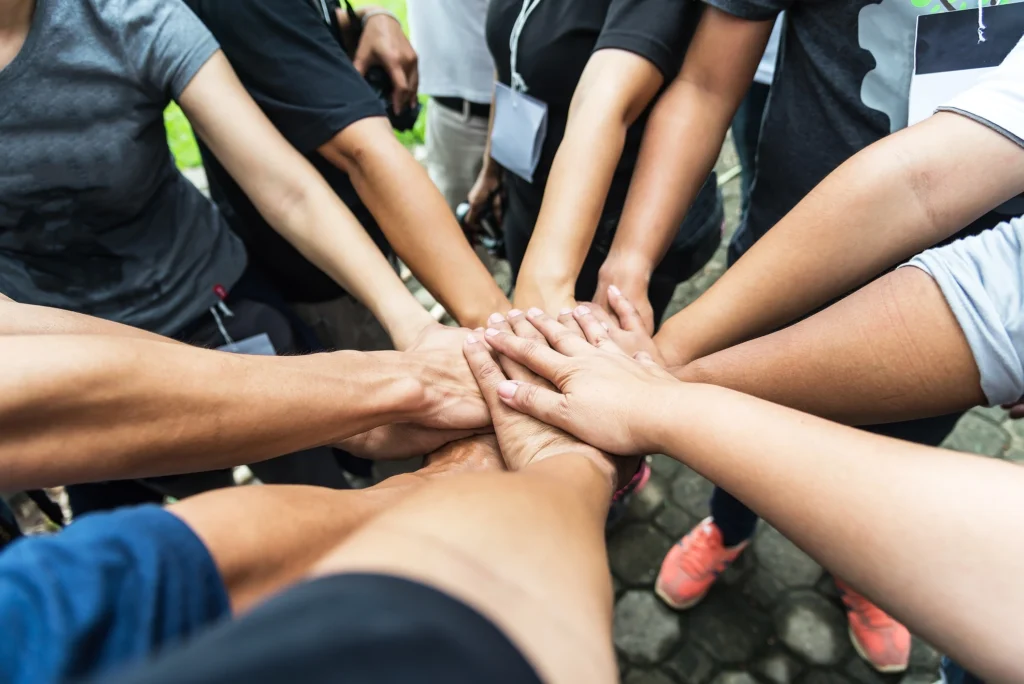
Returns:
(520,127)
(257,345)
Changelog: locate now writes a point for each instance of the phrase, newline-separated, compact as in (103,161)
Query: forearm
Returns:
(326,233)
(418,223)
(819,484)
(295,200)
(264,539)
(134,408)
(681,144)
(573,200)
(25,319)
(890,201)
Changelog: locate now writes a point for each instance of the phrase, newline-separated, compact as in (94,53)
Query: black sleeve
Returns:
(657,30)
(755,10)
(292,64)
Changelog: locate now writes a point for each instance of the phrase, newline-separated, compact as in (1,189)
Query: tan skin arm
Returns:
(684,135)
(416,220)
(890,201)
(294,198)
(136,408)
(615,88)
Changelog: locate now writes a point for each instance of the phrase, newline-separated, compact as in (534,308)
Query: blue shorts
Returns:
(108,591)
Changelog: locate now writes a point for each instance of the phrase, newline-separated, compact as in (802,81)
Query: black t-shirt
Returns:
(842,83)
(558,39)
(371,629)
(296,70)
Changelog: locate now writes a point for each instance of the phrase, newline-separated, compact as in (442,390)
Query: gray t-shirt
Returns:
(94,217)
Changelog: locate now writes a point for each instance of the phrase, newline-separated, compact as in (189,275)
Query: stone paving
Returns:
(775,616)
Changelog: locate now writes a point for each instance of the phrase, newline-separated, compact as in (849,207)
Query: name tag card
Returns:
(520,127)
(258,345)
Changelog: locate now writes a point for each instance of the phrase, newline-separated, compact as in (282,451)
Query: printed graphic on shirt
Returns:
(887,30)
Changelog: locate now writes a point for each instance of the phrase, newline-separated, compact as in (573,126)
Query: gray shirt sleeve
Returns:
(982,280)
(163,41)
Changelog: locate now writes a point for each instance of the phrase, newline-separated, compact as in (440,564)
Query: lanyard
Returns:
(981,21)
(518,84)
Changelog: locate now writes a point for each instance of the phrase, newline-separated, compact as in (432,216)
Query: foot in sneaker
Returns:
(878,638)
(693,565)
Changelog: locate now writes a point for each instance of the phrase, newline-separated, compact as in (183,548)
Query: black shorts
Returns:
(347,628)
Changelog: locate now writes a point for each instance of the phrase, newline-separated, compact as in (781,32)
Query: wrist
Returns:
(627,269)
(368,13)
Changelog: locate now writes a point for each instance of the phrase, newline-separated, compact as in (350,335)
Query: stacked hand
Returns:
(603,396)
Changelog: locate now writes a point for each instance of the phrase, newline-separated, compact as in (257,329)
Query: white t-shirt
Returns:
(998,99)
(766,69)
(453,58)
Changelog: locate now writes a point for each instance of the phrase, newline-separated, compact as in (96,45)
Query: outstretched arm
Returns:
(136,408)
(899,196)
(295,199)
(415,219)
(936,524)
(681,143)
(615,88)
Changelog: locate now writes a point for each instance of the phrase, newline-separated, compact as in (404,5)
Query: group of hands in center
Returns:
(543,386)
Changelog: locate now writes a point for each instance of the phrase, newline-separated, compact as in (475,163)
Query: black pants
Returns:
(699,236)
(257,309)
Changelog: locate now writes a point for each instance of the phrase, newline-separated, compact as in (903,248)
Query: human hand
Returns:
(451,398)
(383,43)
(604,397)
(525,440)
(486,189)
(631,279)
(626,327)
(399,441)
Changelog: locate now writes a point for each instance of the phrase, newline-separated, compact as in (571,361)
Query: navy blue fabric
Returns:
(107,591)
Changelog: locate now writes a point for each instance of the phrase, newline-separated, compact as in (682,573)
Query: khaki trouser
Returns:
(455,151)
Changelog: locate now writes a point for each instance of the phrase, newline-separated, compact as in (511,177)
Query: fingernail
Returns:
(565,312)
(614,290)
(582,310)
(605,325)
(496,318)
(491,332)
(479,330)
(534,312)
(514,312)
(507,389)
(471,339)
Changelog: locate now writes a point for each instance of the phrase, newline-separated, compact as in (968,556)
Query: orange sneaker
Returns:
(693,565)
(878,638)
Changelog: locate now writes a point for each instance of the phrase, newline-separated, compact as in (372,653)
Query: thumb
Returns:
(543,404)
(644,359)
(629,317)
(361,60)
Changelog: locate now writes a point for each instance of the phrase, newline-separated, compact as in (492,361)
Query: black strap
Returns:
(356,24)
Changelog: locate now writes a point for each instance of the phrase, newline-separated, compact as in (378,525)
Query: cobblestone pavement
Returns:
(775,616)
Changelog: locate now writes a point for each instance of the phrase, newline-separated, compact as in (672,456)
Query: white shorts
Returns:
(982,279)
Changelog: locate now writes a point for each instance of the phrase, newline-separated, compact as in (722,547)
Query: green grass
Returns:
(183,143)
